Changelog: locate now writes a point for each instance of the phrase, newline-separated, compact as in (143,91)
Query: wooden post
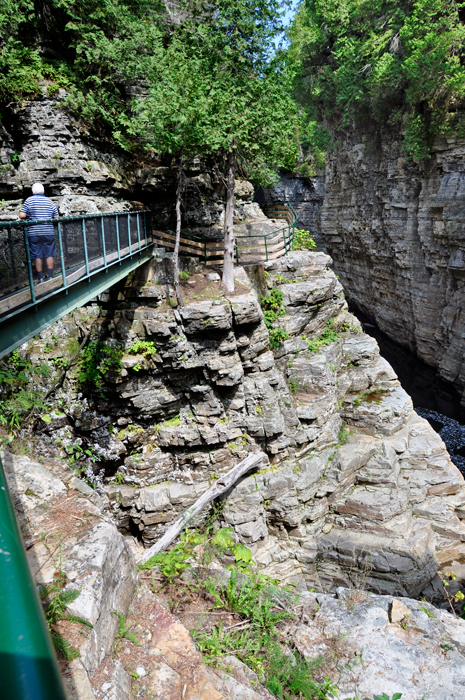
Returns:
(179,190)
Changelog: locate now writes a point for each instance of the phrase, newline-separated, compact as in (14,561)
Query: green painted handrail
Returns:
(28,665)
(92,266)
(289,229)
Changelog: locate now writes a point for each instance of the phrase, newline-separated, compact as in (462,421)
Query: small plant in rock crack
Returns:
(124,628)
(446,579)
(294,384)
(302,240)
(273,309)
(143,347)
(344,434)
(57,600)
(384,696)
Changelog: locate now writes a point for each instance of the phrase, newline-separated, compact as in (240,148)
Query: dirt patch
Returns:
(198,288)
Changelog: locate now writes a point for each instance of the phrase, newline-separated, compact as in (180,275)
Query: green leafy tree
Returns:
(401,63)
(251,119)
(174,118)
(99,50)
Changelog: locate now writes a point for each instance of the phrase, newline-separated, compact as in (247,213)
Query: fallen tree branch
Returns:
(219,487)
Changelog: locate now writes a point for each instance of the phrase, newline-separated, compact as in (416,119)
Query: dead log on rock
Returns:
(219,487)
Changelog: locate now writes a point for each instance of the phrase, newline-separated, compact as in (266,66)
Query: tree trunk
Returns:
(219,487)
(179,191)
(229,242)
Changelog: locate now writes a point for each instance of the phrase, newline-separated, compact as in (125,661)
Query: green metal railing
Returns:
(28,665)
(85,245)
(249,248)
(93,252)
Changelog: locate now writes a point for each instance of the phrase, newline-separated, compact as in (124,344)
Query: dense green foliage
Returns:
(96,360)
(399,62)
(250,108)
(93,48)
(273,309)
(209,82)
(302,240)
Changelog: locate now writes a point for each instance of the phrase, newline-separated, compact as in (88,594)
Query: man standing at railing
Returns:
(41,237)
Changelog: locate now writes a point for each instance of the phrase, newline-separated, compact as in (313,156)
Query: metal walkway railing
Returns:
(28,665)
(93,252)
(250,248)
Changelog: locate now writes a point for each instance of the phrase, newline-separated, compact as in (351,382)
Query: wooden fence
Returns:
(249,248)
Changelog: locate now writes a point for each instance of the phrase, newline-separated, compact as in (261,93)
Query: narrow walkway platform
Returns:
(95,252)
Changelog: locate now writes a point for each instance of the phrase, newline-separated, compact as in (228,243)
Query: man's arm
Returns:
(22,215)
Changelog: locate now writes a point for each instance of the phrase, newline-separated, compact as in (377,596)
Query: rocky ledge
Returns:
(356,480)
(369,644)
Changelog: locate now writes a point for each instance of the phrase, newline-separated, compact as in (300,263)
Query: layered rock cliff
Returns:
(41,142)
(367,644)
(395,231)
(357,481)
(305,194)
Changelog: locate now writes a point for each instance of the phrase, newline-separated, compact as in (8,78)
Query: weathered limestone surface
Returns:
(395,231)
(39,141)
(378,495)
(395,646)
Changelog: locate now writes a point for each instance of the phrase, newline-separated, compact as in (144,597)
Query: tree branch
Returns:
(219,487)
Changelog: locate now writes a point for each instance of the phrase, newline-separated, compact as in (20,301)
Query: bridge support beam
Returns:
(28,322)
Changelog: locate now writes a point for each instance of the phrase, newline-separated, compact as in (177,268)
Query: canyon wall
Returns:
(356,480)
(41,142)
(306,194)
(396,232)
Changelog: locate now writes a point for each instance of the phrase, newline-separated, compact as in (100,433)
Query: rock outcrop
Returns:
(306,194)
(395,231)
(390,646)
(372,644)
(357,481)
(41,142)
(72,542)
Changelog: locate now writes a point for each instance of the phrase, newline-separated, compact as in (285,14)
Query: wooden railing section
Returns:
(249,248)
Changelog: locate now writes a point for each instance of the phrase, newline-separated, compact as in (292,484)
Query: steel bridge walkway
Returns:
(93,253)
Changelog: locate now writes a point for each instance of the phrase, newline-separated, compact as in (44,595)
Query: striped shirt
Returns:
(36,208)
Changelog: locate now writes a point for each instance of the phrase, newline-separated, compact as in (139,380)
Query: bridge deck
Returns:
(93,253)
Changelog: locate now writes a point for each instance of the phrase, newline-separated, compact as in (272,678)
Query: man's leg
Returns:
(36,257)
(49,267)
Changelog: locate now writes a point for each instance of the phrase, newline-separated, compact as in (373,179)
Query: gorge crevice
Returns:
(394,228)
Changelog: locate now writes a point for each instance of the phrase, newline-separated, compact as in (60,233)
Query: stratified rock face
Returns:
(396,233)
(378,495)
(40,142)
(306,194)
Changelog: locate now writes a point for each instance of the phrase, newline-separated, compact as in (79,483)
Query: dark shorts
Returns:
(42,247)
